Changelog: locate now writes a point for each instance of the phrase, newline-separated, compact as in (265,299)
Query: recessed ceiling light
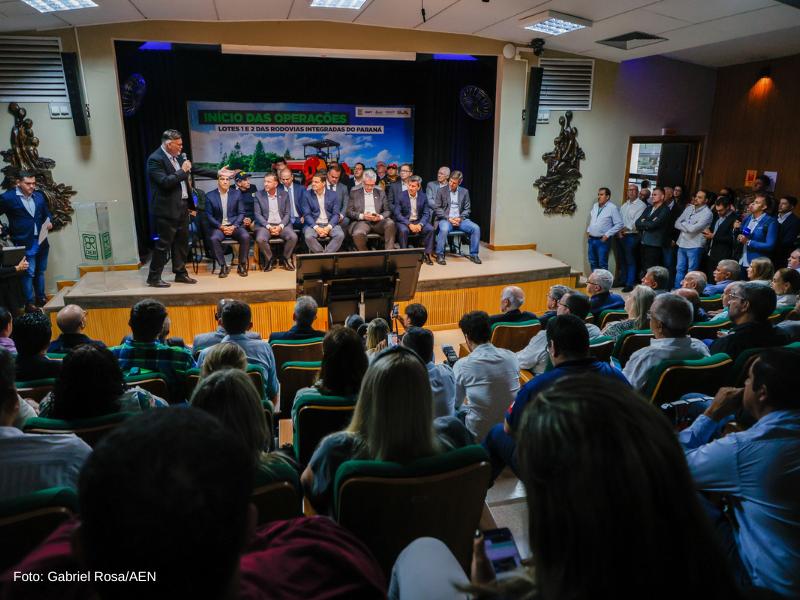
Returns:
(354,4)
(554,23)
(46,6)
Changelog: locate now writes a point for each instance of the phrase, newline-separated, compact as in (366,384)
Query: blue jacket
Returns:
(21,223)
(763,238)
(605,301)
(214,208)
(311,208)
(299,194)
(402,209)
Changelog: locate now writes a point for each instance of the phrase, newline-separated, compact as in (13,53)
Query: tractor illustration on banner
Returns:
(316,155)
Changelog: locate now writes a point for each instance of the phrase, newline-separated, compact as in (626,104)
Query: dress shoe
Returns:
(440,259)
(223,272)
(184,278)
(242,271)
(285,264)
(160,283)
(427,259)
(475,258)
(269,265)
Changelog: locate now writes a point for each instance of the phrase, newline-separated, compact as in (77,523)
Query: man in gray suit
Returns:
(369,212)
(453,208)
(272,216)
(432,189)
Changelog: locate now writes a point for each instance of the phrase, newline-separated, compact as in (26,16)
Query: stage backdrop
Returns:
(251,136)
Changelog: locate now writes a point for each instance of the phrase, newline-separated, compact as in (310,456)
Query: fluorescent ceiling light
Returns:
(554,23)
(46,6)
(354,4)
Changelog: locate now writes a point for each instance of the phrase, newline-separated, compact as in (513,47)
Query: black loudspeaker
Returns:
(77,102)
(532,100)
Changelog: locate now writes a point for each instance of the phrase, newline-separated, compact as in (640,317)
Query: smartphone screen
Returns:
(392,340)
(501,550)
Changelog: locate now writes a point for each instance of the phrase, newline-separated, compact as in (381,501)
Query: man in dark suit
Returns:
(412,214)
(248,193)
(368,211)
(453,208)
(333,183)
(273,217)
(225,215)
(27,212)
(296,193)
(305,311)
(720,243)
(656,227)
(396,189)
(321,217)
(511,301)
(168,175)
(788,225)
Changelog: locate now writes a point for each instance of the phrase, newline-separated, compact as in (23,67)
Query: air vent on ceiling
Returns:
(634,39)
(566,84)
(31,70)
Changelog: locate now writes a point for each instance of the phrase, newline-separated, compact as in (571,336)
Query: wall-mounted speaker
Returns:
(532,99)
(77,99)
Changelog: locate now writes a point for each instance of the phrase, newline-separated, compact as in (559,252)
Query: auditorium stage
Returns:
(447,291)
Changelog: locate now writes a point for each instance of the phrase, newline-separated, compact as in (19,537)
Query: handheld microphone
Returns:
(182,156)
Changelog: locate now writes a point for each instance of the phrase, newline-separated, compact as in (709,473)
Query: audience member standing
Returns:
(720,241)
(759,231)
(630,240)
(788,229)
(604,223)
(694,219)
(656,229)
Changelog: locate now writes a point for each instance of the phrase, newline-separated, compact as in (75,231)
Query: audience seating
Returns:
(277,494)
(296,350)
(89,430)
(253,371)
(27,520)
(36,389)
(55,356)
(711,302)
(609,316)
(628,343)
(514,336)
(780,314)
(295,375)
(671,379)
(388,505)
(152,381)
(708,331)
(602,347)
(315,416)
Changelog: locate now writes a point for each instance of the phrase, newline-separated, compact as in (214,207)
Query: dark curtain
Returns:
(443,133)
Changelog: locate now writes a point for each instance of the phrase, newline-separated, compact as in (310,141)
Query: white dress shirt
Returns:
(692,222)
(274,217)
(489,379)
(443,386)
(369,202)
(638,367)
(174,162)
(223,198)
(323,216)
(534,356)
(605,221)
(413,201)
(630,212)
(454,212)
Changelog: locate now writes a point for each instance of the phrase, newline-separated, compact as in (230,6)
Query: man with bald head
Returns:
(511,300)
(71,320)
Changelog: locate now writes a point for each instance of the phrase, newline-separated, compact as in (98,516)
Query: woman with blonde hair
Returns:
(377,334)
(760,271)
(637,305)
(225,355)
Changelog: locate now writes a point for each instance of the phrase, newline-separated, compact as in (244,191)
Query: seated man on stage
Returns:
(272,215)
(369,212)
(225,214)
(412,213)
(452,211)
(321,218)
(296,194)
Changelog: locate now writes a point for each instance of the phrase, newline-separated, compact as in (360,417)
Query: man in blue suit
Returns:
(452,211)
(296,194)
(412,214)
(759,231)
(225,213)
(27,211)
(321,218)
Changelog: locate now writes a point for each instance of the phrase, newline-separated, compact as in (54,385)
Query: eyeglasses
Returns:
(563,304)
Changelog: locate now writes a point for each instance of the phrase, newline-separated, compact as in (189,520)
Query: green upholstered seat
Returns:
(89,430)
(313,417)
(671,379)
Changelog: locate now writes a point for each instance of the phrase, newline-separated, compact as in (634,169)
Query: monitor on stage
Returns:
(366,283)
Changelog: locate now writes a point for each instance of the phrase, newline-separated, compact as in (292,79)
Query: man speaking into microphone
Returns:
(168,173)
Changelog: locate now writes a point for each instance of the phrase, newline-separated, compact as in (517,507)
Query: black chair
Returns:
(455,239)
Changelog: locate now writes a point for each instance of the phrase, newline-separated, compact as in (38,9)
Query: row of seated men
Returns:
(326,213)
(762,551)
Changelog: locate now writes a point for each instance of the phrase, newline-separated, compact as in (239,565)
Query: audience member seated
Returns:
(6,327)
(511,301)
(354,322)
(32,461)
(71,320)
(598,285)
(415,315)
(443,383)
(343,365)
(206,340)
(794,260)
(749,309)
(791,323)
(637,305)
(606,485)
(727,272)
(786,283)
(554,295)
(534,356)
(568,347)
(657,278)
(695,280)
(452,210)
(377,339)
(757,471)
(182,510)
(670,319)
(760,271)
(225,355)
(722,314)
(488,377)
(393,421)
(144,351)
(32,335)
(305,312)
(90,385)
(698,313)
(237,321)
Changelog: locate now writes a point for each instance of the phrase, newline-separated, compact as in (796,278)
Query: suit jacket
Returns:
(431,190)
(311,207)
(402,210)
(20,222)
(342,194)
(355,205)
(787,231)
(165,185)
(214,208)
(762,238)
(442,210)
(261,207)
(512,316)
(656,226)
(723,245)
(299,194)
(393,193)
(296,333)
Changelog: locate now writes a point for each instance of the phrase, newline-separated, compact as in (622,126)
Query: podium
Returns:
(367,283)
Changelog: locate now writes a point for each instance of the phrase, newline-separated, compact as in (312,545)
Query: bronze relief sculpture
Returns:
(24,156)
(557,187)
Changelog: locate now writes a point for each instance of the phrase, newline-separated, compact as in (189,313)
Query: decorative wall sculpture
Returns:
(557,187)
(24,156)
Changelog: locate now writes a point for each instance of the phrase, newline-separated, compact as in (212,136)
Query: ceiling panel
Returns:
(698,11)
(301,9)
(390,13)
(740,50)
(30,22)
(12,9)
(253,10)
(468,16)
(178,10)
(773,18)
(107,11)
(596,10)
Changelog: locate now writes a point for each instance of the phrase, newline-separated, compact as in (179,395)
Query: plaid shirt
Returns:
(171,361)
